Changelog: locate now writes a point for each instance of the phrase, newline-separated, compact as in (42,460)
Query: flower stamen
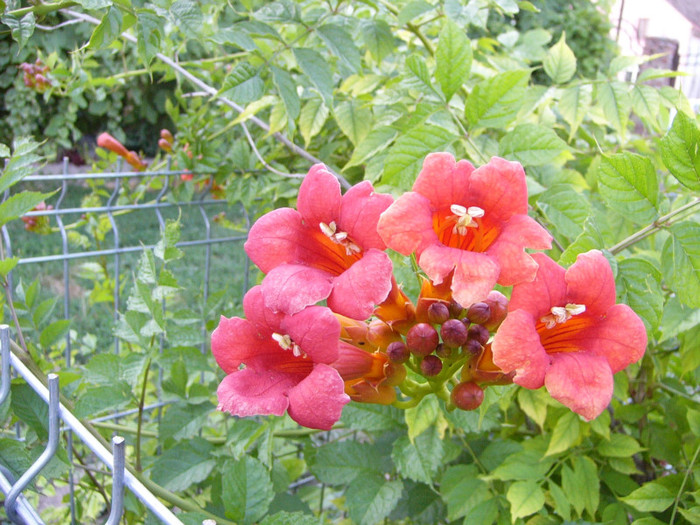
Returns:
(331,231)
(561,314)
(464,218)
(286,343)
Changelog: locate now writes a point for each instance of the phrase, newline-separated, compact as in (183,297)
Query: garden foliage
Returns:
(370,89)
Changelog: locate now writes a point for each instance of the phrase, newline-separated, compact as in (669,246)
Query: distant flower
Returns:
(328,249)
(108,142)
(277,362)
(470,222)
(564,331)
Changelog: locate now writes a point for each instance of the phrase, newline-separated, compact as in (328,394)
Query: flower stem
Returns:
(139,423)
(685,479)
(655,226)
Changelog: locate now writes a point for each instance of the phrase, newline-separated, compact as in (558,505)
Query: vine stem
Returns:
(685,479)
(652,228)
(215,94)
(139,424)
(10,303)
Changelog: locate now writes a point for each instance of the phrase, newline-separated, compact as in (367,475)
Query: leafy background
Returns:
(369,88)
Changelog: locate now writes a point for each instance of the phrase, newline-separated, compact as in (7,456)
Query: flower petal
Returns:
(319,197)
(443,181)
(517,266)
(234,341)
(250,393)
(581,381)
(274,238)
(364,285)
(318,400)
(474,273)
(265,320)
(407,225)
(316,330)
(516,348)
(548,289)
(499,188)
(359,215)
(290,288)
(590,281)
(620,337)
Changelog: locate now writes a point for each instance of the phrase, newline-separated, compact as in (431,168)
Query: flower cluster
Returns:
(35,75)
(468,230)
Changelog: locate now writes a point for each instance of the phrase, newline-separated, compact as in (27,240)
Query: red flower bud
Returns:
(479,313)
(108,142)
(443,350)
(397,352)
(473,347)
(167,136)
(478,333)
(431,365)
(456,309)
(467,396)
(438,313)
(422,339)
(165,145)
(454,333)
(498,303)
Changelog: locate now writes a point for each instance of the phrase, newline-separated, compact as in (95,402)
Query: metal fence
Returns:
(208,238)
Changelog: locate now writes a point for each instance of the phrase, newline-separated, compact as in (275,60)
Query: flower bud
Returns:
(165,145)
(467,396)
(443,350)
(422,339)
(454,333)
(498,303)
(397,352)
(167,136)
(478,333)
(479,313)
(473,347)
(456,309)
(438,313)
(431,365)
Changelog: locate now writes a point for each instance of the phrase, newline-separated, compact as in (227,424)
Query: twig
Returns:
(685,479)
(215,94)
(59,26)
(652,228)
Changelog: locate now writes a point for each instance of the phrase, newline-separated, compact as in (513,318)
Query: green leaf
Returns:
(317,70)
(371,498)
(453,58)
(287,89)
(14,456)
(108,29)
(566,434)
(183,421)
(525,498)
(523,465)
(30,409)
(619,446)
(565,209)
(680,151)
(187,16)
(561,501)
(406,156)
(19,204)
(243,84)
(375,141)
(614,99)
(495,102)
(639,286)
(354,120)
(21,28)
(461,490)
(186,464)
(148,30)
(413,10)
(289,518)
(165,249)
(247,490)
(419,69)
(313,117)
(589,239)
(423,416)
(681,256)
(4,151)
(21,164)
(629,184)
(7,265)
(96,400)
(341,44)
(574,104)
(560,62)
(534,404)
(378,38)
(581,484)
(646,103)
(95,4)
(650,497)
(340,462)
(532,145)
(54,332)
(419,460)
(372,418)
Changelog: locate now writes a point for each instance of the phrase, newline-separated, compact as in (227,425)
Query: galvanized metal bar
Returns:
(104,455)
(24,511)
(26,478)
(207,269)
(115,513)
(5,353)
(122,207)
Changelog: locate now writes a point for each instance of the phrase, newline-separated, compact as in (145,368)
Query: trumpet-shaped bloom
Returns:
(277,362)
(472,222)
(328,248)
(564,331)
